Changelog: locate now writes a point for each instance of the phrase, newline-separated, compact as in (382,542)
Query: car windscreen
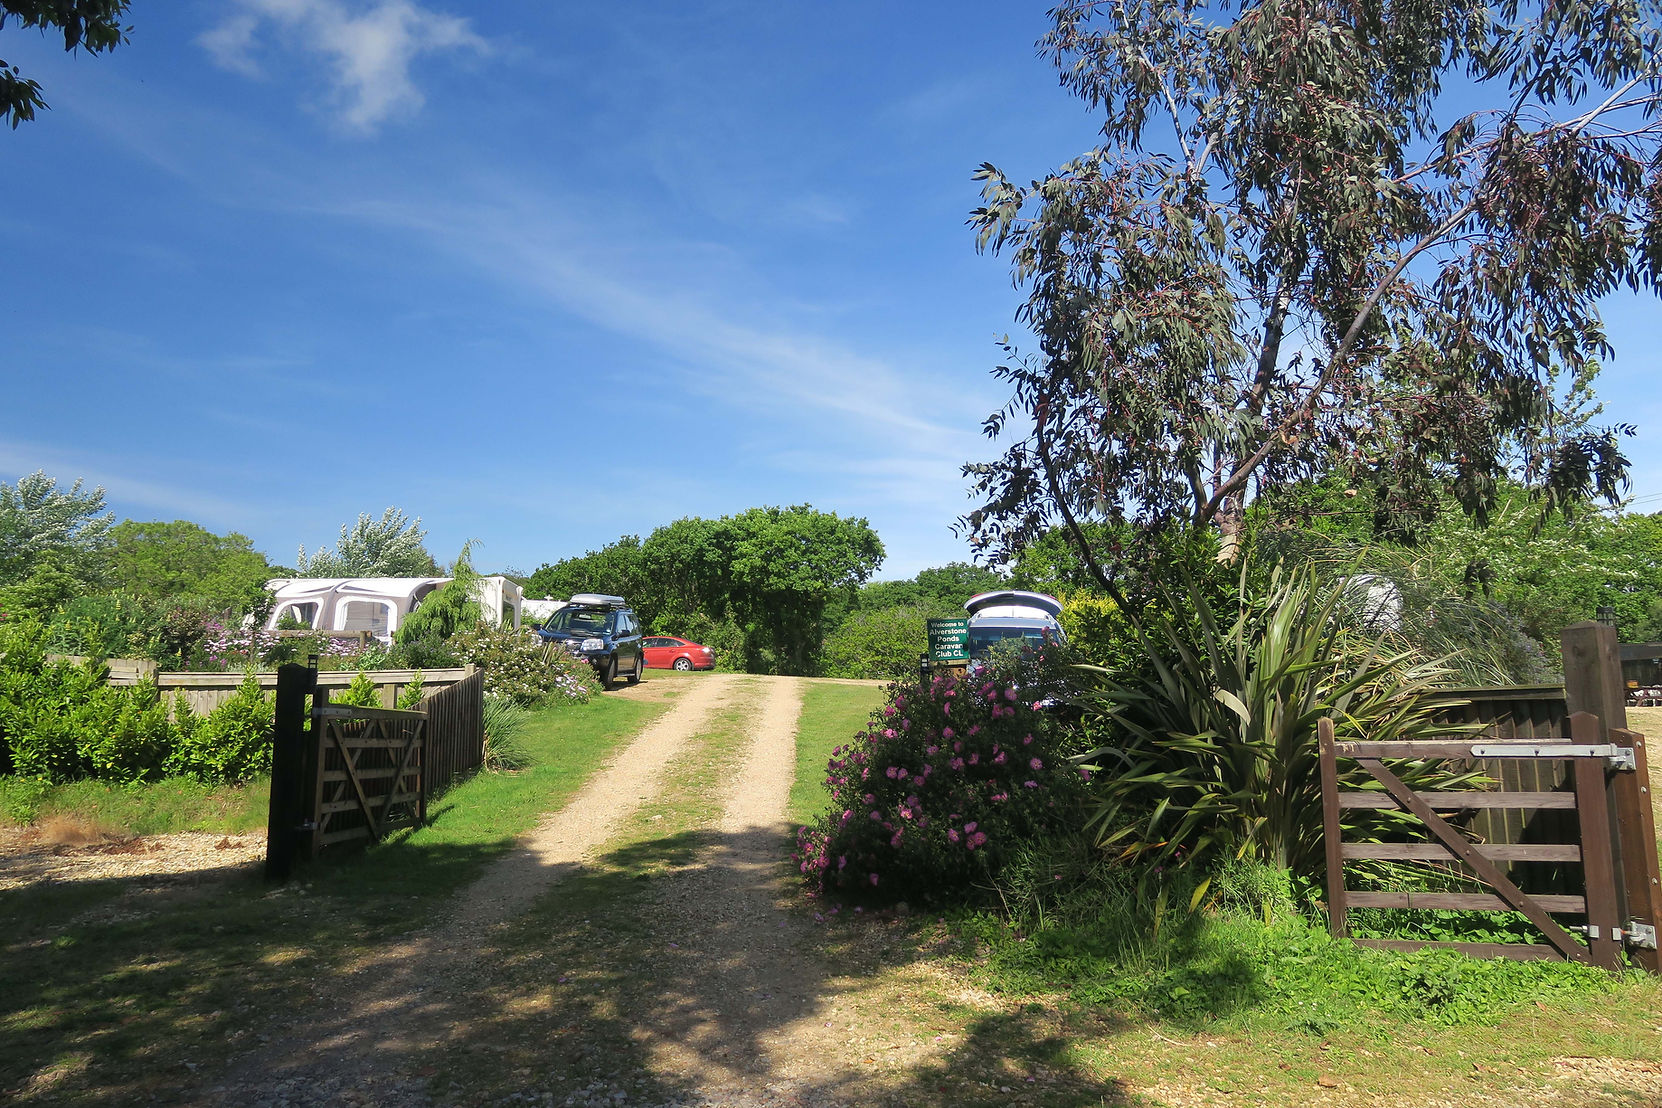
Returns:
(585,621)
(983,639)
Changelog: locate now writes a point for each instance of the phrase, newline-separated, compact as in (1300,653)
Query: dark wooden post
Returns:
(286,813)
(1593,683)
(1598,864)
(1338,910)
(316,759)
(1593,675)
(1636,823)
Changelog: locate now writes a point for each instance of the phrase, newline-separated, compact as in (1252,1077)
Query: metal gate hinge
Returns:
(1617,757)
(1641,935)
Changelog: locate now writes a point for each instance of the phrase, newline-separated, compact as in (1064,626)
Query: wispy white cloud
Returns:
(119,480)
(368,50)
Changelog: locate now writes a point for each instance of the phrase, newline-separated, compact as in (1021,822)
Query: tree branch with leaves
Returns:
(1296,252)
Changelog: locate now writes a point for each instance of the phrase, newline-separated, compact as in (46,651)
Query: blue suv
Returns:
(601,629)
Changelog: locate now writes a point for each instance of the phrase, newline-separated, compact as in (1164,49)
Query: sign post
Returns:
(949,643)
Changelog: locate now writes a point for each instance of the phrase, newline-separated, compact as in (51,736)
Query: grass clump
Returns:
(1252,955)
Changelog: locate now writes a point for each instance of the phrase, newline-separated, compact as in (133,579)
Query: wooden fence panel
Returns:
(455,732)
(1524,713)
(206,691)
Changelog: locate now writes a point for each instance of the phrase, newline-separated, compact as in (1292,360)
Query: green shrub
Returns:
(521,668)
(361,693)
(21,798)
(504,722)
(44,705)
(232,742)
(409,697)
(883,644)
(947,783)
(1212,735)
(124,733)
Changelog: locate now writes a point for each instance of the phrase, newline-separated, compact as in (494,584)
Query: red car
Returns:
(664,652)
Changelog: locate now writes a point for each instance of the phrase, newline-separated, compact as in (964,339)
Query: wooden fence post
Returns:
(286,812)
(1636,823)
(1338,910)
(1593,683)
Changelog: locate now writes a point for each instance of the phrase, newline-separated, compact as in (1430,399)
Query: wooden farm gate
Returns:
(343,774)
(1619,901)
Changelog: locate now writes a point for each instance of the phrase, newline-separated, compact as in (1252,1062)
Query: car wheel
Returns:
(608,676)
(640,665)
(683,664)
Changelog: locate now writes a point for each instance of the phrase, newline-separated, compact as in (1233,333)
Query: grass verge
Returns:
(831,714)
(115,991)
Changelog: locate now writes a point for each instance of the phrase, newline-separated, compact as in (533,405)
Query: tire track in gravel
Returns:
(386,1006)
(739,1015)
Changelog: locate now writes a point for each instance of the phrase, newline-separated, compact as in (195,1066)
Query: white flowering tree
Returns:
(387,547)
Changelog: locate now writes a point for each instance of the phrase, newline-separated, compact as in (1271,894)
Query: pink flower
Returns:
(951,835)
(956,763)
(1029,784)
(1027,740)
(1035,764)
(968,827)
(999,761)
(946,732)
(888,732)
(1009,694)
(931,750)
(974,758)
(873,881)
(876,816)
(842,861)
(976,840)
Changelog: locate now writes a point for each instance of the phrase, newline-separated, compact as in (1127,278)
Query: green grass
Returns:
(105,996)
(157,808)
(831,714)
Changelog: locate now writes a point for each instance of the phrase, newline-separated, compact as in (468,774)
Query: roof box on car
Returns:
(1014,602)
(597,600)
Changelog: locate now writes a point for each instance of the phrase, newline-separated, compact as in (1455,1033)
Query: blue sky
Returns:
(540,274)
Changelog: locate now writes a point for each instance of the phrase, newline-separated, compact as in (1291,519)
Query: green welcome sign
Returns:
(949,640)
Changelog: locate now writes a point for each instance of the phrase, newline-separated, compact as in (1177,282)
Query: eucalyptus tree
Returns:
(93,25)
(1319,236)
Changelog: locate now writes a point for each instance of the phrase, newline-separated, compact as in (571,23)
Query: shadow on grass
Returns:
(670,969)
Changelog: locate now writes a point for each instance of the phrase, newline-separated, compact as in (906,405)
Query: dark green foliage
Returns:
(882,644)
(409,697)
(948,782)
(230,743)
(1210,748)
(166,561)
(776,574)
(361,693)
(448,609)
(92,25)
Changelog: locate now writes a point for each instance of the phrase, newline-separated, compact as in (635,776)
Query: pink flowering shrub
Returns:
(946,782)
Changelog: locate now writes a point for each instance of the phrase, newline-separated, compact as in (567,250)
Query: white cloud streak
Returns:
(368,53)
